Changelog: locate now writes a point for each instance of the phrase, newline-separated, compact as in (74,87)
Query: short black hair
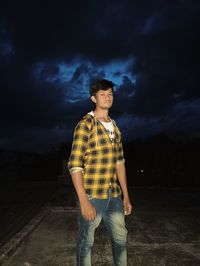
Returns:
(100,84)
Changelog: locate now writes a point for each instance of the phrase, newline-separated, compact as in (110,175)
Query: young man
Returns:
(97,168)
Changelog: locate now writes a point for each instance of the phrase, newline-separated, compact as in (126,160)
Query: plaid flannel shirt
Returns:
(96,156)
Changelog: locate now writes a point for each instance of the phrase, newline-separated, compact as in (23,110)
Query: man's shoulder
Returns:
(86,121)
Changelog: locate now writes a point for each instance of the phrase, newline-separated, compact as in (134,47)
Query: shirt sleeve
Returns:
(79,145)
(120,153)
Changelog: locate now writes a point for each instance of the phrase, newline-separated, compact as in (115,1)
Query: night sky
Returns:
(50,51)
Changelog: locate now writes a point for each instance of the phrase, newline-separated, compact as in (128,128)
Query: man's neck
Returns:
(102,115)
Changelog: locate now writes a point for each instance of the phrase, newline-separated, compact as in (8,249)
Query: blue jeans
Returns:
(111,211)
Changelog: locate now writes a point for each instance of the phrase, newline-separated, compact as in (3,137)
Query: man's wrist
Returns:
(126,196)
(83,197)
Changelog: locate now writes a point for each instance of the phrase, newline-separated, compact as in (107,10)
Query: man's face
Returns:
(103,99)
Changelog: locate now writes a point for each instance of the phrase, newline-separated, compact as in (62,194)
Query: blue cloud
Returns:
(75,77)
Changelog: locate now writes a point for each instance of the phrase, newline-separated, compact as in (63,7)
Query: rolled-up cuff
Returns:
(121,161)
(75,170)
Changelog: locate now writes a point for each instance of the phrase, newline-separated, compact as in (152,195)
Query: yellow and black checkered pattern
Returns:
(96,156)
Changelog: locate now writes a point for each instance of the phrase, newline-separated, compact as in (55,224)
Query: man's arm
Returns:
(87,209)
(75,166)
(121,175)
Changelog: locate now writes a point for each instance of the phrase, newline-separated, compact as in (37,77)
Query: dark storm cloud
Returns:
(167,60)
(47,71)
(161,37)
(102,30)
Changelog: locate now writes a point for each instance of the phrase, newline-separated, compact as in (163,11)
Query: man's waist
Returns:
(104,193)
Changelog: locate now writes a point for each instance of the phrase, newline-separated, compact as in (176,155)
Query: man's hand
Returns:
(127,206)
(88,210)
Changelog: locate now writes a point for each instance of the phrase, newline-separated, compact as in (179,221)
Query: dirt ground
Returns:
(164,230)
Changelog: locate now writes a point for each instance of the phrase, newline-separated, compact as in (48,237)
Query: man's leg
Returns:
(86,233)
(114,221)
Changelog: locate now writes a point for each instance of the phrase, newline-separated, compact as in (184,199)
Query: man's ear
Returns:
(93,99)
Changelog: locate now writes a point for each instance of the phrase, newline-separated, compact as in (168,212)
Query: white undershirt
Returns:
(109,128)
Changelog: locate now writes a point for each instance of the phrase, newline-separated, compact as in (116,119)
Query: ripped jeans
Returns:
(111,211)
